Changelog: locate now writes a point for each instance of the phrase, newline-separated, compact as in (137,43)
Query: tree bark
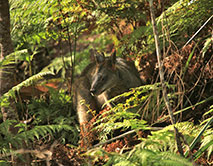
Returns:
(7,76)
(6,47)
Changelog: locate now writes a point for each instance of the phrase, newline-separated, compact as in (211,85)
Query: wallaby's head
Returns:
(105,75)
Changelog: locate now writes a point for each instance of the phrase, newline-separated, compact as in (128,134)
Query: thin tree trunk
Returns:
(6,47)
(161,72)
(7,75)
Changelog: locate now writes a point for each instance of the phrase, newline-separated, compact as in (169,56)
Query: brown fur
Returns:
(100,81)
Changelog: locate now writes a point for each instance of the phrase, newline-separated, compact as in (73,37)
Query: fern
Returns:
(171,159)
(56,66)
(193,18)
(206,145)
(133,110)
(11,59)
(28,135)
(161,140)
(6,137)
(8,60)
(25,83)
(31,80)
(206,46)
(208,113)
(39,131)
(57,111)
(141,157)
(29,22)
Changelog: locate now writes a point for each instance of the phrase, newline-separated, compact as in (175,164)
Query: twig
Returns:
(198,31)
(24,151)
(44,154)
(72,61)
(123,135)
(115,138)
(161,73)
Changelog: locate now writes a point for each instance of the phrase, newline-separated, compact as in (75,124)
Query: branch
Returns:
(198,31)
(115,138)
(123,135)
(161,72)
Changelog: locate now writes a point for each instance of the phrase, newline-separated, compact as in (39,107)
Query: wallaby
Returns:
(101,80)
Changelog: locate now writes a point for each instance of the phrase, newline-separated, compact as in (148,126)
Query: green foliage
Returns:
(175,22)
(159,148)
(208,113)
(27,134)
(50,120)
(10,59)
(164,140)
(139,104)
(140,157)
(124,115)
(161,144)
(186,9)
(30,81)
(59,65)
(29,21)
(206,45)
(125,24)
(207,144)
(57,110)
(39,132)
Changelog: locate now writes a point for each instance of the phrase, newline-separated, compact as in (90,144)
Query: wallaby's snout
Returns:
(93,91)
(96,85)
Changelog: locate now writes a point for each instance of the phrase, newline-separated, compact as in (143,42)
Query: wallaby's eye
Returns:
(104,78)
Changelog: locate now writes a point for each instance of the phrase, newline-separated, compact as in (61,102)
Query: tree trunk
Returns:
(7,76)
(6,47)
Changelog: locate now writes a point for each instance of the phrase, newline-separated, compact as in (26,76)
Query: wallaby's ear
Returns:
(113,57)
(99,57)
(92,55)
(113,60)
(96,56)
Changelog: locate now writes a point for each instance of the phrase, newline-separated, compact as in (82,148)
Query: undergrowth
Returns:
(157,148)
(125,26)
(43,122)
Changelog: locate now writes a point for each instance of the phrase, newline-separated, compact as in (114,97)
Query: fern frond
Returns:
(206,144)
(41,131)
(28,135)
(28,82)
(56,65)
(137,91)
(206,46)
(171,159)
(208,113)
(31,80)
(5,136)
(8,60)
(192,145)
(141,157)
(161,140)
(12,58)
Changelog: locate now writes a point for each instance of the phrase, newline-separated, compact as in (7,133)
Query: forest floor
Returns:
(65,155)
(76,156)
